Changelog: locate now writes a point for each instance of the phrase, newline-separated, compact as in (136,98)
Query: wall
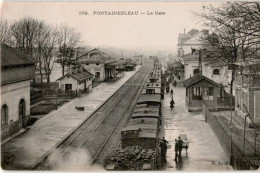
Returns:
(189,67)
(11,94)
(250,102)
(69,80)
(224,75)
(93,68)
(75,85)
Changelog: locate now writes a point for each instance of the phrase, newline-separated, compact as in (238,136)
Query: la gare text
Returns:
(126,13)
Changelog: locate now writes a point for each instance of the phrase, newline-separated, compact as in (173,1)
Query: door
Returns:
(68,87)
(97,75)
(22,116)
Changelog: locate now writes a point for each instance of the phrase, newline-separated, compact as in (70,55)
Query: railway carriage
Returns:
(149,100)
(141,132)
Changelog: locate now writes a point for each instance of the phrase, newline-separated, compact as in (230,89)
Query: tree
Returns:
(231,40)
(41,37)
(23,32)
(68,41)
(48,51)
(5,34)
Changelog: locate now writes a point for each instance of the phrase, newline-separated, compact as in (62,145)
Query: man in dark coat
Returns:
(163,145)
(176,149)
(172,104)
(180,145)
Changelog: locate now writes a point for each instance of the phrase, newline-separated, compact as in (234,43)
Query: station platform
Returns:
(30,147)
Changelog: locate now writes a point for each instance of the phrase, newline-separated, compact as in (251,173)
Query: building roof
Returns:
(196,78)
(174,64)
(117,63)
(78,74)
(12,57)
(149,98)
(97,57)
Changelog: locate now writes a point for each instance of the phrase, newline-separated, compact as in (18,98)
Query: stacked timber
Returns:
(132,158)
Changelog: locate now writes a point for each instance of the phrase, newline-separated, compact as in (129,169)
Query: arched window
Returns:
(196,71)
(4,115)
(216,72)
(22,112)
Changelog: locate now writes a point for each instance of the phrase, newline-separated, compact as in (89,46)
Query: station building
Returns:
(78,80)
(100,64)
(198,89)
(17,70)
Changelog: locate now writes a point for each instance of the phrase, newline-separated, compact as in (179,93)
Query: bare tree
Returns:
(232,40)
(5,34)
(68,41)
(41,37)
(23,32)
(49,51)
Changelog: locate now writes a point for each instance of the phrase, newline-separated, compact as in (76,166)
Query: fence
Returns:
(231,141)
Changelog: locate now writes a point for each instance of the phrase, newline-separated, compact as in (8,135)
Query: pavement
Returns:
(205,152)
(33,145)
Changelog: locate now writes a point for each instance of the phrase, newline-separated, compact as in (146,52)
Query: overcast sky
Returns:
(159,31)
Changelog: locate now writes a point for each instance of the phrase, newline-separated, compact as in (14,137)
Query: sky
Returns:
(140,31)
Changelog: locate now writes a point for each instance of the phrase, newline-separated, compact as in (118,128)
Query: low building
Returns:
(247,91)
(17,70)
(198,89)
(77,80)
(99,63)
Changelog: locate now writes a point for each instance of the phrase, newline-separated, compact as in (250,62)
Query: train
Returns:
(140,138)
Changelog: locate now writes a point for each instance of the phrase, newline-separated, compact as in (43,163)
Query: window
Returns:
(97,63)
(150,91)
(210,93)
(196,71)
(4,115)
(87,63)
(196,93)
(216,72)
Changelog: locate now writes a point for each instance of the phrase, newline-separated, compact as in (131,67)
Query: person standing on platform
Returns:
(176,149)
(180,145)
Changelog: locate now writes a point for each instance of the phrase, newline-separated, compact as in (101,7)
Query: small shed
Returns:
(198,89)
(76,80)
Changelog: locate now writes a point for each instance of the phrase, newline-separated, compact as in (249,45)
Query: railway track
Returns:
(98,133)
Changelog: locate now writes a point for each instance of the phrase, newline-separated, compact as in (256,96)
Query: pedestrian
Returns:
(180,142)
(167,89)
(176,150)
(175,83)
(171,93)
(172,104)
(163,145)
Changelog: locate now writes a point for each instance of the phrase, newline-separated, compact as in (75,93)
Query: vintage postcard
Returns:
(130,86)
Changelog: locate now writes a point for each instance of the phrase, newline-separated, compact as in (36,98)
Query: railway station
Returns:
(154,91)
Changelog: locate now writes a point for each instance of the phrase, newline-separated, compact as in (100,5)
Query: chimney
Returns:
(184,30)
